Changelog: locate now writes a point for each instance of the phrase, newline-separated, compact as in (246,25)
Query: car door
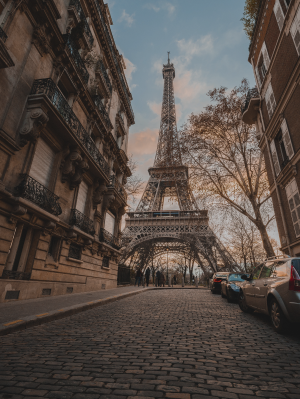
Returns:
(261,286)
(249,287)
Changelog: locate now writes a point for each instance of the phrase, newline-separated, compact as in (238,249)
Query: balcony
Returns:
(168,214)
(109,239)
(114,56)
(48,88)
(102,110)
(5,59)
(79,220)
(100,69)
(35,192)
(251,107)
(76,6)
(76,57)
(14,275)
(114,183)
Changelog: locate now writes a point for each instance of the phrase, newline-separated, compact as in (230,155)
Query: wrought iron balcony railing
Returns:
(79,220)
(252,93)
(3,35)
(110,43)
(35,192)
(76,4)
(100,67)
(109,239)
(76,57)
(114,183)
(100,106)
(48,87)
(14,275)
(168,214)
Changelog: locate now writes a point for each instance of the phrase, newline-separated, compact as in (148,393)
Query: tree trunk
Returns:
(265,239)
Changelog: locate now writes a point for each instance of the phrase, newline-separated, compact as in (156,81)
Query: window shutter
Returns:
(109,223)
(258,77)
(279,14)
(275,158)
(42,163)
(82,196)
(270,100)
(293,197)
(287,140)
(265,55)
(295,30)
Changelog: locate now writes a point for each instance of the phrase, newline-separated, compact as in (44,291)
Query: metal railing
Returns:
(3,35)
(101,108)
(35,192)
(76,4)
(168,214)
(100,67)
(114,183)
(110,43)
(48,87)
(81,221)
(15,275)
(252,93)
(109,239)
(76,57)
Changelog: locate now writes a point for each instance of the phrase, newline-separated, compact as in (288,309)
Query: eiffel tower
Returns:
(150,230)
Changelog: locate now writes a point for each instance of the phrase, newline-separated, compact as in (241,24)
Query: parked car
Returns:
(274,289)
(216,282)
(230,287)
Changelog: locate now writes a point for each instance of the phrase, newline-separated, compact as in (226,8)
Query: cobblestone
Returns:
(185,344)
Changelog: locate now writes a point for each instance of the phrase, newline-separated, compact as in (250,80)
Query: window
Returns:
(42,163)
(294,204)
(109,222)
(105,262)
(295,30)
(75,251)
(287,140)
(279,14)
(54,248)
(82,196)
(287,3)
(275,157)
(265,60)
(270,100)
(256,272)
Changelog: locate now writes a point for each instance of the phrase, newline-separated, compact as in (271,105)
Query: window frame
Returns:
(292,190)
(278,8)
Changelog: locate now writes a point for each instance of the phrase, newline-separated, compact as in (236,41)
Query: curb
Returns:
(32,321)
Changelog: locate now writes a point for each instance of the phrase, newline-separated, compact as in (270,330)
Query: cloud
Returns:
(127,18)
(144,142)
(155,107)
(130,69)
(169,7)
(191,48)
(153,7)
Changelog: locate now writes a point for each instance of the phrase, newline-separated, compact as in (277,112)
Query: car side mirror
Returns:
(245,277)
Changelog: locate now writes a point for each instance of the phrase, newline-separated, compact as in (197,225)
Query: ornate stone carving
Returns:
(35,120)
(107,201)
(40,40)
(73,166)
(99,191)
(19,210)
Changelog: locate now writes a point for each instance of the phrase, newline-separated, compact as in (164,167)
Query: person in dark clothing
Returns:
(147,275)
(174,280)
(158,278)
(138,277)
(162,279)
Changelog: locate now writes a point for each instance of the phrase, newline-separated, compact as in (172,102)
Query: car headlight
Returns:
(234,287)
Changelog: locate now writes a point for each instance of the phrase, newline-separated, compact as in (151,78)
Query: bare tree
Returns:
(134,184)
(226,162)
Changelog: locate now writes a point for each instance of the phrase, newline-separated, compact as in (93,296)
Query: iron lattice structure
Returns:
(150,230)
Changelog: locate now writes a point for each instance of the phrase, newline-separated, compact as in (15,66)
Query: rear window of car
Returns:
(221,275)
(296,264)
(236,277)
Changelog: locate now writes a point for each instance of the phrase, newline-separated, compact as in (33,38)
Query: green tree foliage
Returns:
(250,12)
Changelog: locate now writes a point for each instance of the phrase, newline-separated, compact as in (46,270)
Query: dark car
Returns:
(217,280)
(230,288)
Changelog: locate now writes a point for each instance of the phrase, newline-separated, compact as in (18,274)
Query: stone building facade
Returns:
(275,108)
(65,113)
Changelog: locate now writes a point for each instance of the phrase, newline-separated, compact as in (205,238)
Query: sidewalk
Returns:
(18,315)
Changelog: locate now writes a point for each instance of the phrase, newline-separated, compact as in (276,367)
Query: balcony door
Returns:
(42,163)
(82,197)
(110,223)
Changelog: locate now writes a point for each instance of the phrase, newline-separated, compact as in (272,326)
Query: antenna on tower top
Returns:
(168,57)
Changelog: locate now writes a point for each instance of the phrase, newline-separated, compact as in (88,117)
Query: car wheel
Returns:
(229,298)
(279,321)
(243,305)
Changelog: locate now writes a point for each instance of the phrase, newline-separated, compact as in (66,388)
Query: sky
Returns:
(207,45)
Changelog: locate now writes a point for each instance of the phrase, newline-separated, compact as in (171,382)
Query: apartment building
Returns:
(274,106)
(65,113)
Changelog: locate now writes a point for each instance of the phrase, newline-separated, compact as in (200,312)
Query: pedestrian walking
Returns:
(174,280)
(147,275)
(158,274)
(138,277)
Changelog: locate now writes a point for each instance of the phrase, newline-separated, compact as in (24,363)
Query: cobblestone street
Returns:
(186,344)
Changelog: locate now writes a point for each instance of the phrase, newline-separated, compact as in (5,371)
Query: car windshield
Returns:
(221,275)
(236,277)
